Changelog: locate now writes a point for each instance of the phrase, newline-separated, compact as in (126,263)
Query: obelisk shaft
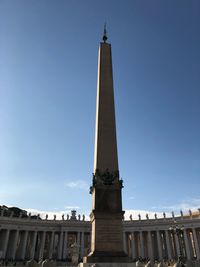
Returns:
(105,156)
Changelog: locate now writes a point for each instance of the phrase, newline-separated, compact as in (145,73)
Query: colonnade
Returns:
(25,245)
(163,244)
(25,239)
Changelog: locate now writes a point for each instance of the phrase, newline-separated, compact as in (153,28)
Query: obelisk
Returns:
(107,213)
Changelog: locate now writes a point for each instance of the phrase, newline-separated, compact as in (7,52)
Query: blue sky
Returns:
(48,76)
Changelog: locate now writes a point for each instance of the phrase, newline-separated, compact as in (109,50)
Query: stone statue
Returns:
(44,263)
(161,264)
(32,263)
(156,216)
(67,217)
(181,212)
(63,217)
(164,215)
(48,263)
(54,217)
(139,264)
(147,216)
(73,215)
(131,218)
(139,216)
(75,253)
(79,217)
(46,216)
(177,264)
(172,214)
(83,217)
(149,264)
(40,263)
(190,213)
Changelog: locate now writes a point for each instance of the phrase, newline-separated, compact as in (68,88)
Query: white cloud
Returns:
(79,184)
(184,205)
(143,213)
(52,213)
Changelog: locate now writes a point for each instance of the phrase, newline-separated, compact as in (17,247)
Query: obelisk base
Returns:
(108,264)
(105,256)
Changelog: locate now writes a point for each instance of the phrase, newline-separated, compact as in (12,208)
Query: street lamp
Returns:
(178,230)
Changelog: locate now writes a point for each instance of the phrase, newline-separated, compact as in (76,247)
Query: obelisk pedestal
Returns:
(106,218)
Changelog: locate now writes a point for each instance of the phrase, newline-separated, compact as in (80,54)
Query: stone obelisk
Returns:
(107,213)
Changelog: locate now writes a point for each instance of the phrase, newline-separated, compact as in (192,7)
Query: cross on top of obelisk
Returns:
(105,38)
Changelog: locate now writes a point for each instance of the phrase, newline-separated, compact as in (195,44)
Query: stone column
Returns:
(32,250)
(149,245)
(5,242)
(187,248)
(159,245)
(65,246)
(141,245)
(60,246)
(51,245)
(177,245)
(168,243)
(78,242)
(15,241)
(23,249)
(133,245)
(124,242)
(82,244)
(42,245)
(196,243)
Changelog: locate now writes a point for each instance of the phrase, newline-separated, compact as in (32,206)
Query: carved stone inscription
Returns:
(109,235)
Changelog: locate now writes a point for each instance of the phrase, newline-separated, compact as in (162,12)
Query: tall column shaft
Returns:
(141,245)
(133,245)
(15,244)
(177,245)
(82,243)
(6,243)
(159,245)
(196,244)
(105,156)
(65,245)
(149,245)
(23,249)
(33,244)
(60,247)
(125,241)
(169,252)
(51,245)
(187,248)
(42,245)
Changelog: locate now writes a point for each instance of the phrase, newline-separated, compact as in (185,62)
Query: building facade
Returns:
(159,238)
